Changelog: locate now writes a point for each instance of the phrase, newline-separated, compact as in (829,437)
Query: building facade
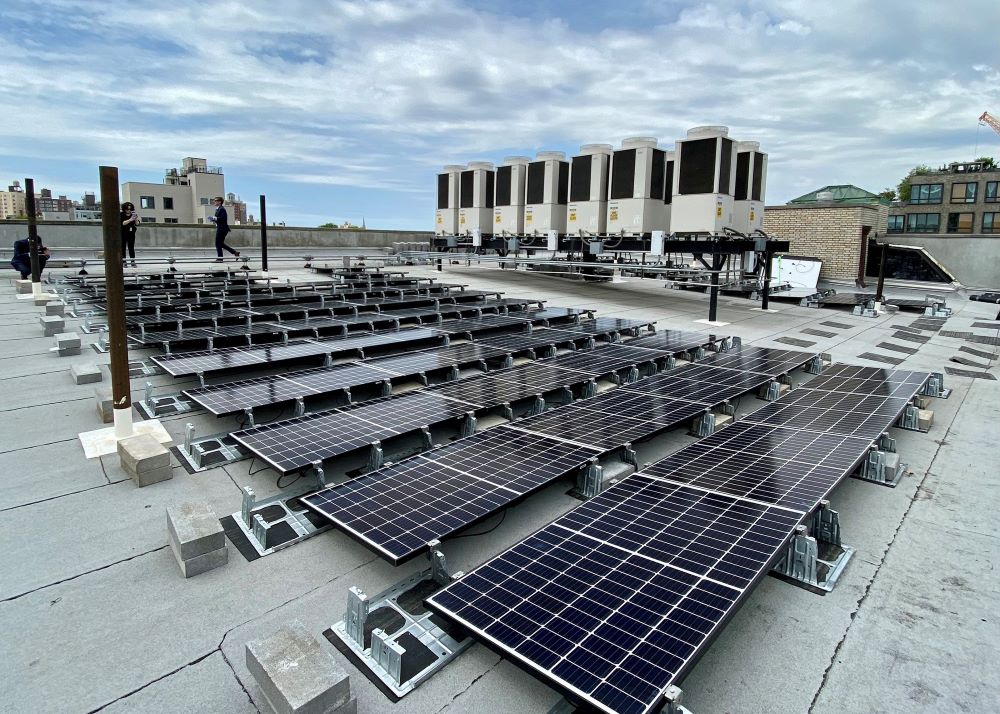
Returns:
(185,196)
(12,201)
(963,198)
(832,224)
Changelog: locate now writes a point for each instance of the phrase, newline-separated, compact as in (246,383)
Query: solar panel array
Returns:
(614,601)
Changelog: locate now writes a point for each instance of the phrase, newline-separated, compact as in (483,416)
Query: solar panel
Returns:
(600,325)
(612,602)
(397,510)
(879,381)
(766,360)
(703,391)
(435,359)
(786,467)
(859,415)
(193,362)
(674,341)
(608,359)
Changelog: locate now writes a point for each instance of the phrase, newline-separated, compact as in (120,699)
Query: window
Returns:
(204,201)
(923,222)
(964,192)
(147,219)
(896,224)
(991,223)
(201,220)
(991,192)
(147,202)
(170,220)
(926,193)
(168,203)
(960,222)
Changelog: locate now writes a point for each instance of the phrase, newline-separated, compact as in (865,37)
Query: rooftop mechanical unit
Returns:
(748,196)
(638,188)
(587,212)
(446,216)
(704,181)
(475,199)
(546,193)
(508,210)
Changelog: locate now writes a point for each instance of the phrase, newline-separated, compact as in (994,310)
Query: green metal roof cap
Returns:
(842,194)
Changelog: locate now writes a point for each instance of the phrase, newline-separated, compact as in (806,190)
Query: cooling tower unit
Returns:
(446,216)
(637,189)
(751,178)
(587,212)
(508,211)
(475,198)
(546,192)
(704,180)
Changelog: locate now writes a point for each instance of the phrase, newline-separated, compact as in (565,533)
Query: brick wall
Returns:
(831,233)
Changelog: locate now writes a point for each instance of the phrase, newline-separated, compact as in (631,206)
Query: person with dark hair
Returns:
(130,223)
(21,261)
(222,229)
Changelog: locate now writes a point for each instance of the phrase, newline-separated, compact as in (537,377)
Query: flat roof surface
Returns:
(96,616)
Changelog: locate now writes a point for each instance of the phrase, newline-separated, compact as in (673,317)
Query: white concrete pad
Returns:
(713,323)
(101,442)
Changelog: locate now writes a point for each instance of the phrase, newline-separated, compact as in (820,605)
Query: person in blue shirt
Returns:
(222,229)
(22,257)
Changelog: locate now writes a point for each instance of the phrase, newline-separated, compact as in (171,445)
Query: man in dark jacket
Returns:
(222,229)
(22,257)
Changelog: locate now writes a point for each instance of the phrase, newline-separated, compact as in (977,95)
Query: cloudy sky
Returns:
(343,110)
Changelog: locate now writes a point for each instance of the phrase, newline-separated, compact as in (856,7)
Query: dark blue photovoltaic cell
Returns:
(612,601)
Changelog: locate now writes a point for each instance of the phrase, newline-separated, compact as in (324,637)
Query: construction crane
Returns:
(990,121)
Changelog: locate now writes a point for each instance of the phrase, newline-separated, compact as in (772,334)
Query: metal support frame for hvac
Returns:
(383,650)
(815,557)
(882,464)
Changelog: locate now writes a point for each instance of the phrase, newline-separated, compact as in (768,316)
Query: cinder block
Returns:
(297,675)
(201,563)
(925,418)
(86,373)
(194,530)
(67,340)
(105,405)
(148,478)
(43,299)
(55,307)
(52,324)
(23,286)
(142,453)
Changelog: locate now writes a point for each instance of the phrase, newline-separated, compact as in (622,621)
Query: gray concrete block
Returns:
(194,529)
(86,373)
(201,563)
(56,307)
(70,352)
(52,324)
(296,674)
(67,340)
(148,478)
(142,453)
(43,299)
(23,286)
(105,405)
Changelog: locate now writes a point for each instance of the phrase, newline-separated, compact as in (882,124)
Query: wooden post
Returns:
(263,234)
(114,294)
(30,209)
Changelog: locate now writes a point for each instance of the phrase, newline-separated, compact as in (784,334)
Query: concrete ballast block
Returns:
(194,529)
(23,286)
(55,308)
(105,405)
(148,478)
(201,563)
(52,324)
(145,459)
(86,373)
(297,675)
(68,341)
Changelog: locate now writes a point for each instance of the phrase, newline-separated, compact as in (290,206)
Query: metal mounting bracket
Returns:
(935,387)
(376,457)
(882,464)
(469,423)
(590,482)
(815,557)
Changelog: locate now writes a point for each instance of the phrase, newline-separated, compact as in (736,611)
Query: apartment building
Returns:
(12,201)
(963,198)
(185,196)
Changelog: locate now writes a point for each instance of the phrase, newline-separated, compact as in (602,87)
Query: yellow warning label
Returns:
(440,219)
(497,219)
(718,211)
(614,216)
(462,220)
(527,218)
(572,216)
(751,214)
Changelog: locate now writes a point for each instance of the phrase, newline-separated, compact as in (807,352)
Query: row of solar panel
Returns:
(295,444)
(613,602)
(229,358)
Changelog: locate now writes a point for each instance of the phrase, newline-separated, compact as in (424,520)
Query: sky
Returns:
(345,111)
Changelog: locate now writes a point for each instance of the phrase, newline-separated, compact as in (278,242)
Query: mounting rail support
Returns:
(815,557)
(935,387)
(882,464)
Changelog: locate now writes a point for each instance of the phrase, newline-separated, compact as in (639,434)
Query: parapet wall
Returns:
(79,234)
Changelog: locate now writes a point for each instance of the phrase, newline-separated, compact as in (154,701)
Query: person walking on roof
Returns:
(222,229)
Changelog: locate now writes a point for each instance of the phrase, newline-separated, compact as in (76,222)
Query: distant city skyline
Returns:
(346,111)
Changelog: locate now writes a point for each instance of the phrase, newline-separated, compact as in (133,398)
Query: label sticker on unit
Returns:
(718,210)
(462,220)
(614,216)
(751,214)
(440,218)
(572,216)
(497,219)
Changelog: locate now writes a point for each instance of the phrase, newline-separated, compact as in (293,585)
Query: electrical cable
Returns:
(503,515)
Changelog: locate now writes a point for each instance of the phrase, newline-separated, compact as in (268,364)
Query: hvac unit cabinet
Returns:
(546,193)
(475,198)
(751,179)
(637,188)
(508,210)
(587,212)
(446,216)
(704,180)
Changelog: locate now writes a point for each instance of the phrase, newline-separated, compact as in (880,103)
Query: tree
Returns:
(987,162)
(329,225)
(903,190)
(888,193)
